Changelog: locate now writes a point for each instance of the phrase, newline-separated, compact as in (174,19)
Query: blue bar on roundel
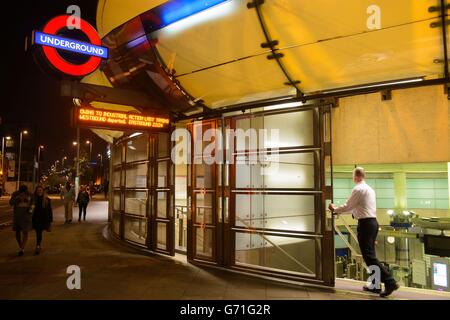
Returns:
(71,45)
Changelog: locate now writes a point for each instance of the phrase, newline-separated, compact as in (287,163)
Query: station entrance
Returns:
(256,203)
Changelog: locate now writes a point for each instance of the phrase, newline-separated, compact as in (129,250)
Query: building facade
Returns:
(252,67)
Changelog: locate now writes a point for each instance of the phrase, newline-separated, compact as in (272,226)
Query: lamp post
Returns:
(36,165)
(3,162)
(101,166)
(90,149)
(39,153)
(56,162)
(39,159)
(20,156)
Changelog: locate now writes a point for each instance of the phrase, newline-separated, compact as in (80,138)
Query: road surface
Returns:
(5,210)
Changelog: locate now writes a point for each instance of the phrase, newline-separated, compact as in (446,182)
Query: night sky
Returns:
(30,95)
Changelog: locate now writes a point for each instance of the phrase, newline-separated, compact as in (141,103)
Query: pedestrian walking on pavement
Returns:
(68,195)
(42,215)
(83,201)
(22,201)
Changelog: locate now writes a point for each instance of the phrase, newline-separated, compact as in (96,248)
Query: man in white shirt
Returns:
(362,205)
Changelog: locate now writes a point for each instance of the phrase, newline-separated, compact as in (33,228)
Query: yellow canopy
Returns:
(326,45)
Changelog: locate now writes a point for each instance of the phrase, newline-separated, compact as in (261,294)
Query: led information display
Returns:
(101,118)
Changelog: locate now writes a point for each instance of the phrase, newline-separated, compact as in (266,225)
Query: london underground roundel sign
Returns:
(51,43)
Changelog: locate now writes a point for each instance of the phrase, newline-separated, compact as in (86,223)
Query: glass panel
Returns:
(293,254)
(243,210)
(204,144)
(294,129)
(280,212)
(135,229)
(116,200)
(243,137)
(282,171)
(137,176)
(116,224)
(248,133)
(136,202)
(137,148)
(249,210)
(248,171)
(163,145)
(276,252)
(161,236)
(117,155)
(249,249)
(162,205)
(204,176)
(243,172)
(292,170)
(204,206)
(427,193)
(116,178)
(289,212)
(204,241)
(162,174)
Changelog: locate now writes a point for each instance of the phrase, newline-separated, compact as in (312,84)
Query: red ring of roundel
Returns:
(53,27)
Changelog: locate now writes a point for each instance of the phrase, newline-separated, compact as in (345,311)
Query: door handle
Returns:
(219,209)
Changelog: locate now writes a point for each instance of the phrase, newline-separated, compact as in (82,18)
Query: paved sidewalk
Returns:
(110,270)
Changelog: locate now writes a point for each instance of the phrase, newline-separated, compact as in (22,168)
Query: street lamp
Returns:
(24,132)
(90,149)
(39,153)
(56,162)
(3,162)
(64,158)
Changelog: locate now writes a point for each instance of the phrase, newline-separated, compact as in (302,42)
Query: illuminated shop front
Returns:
(319,85)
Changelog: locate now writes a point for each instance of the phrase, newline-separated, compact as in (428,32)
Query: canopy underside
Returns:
(217,57)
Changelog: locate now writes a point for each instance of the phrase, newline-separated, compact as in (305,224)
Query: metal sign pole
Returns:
(20,158)
(77,178)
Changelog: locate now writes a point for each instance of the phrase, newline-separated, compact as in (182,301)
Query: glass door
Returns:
(203,228)
(278,223)
(163,218)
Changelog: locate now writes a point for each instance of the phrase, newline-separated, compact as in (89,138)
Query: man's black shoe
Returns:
(389,289)
(374,290)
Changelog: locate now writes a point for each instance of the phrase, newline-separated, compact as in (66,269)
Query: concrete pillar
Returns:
(400,202)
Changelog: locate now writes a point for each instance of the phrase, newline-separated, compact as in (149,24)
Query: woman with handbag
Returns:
(42,215)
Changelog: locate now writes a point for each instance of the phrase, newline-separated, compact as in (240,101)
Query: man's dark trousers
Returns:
(367,234)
